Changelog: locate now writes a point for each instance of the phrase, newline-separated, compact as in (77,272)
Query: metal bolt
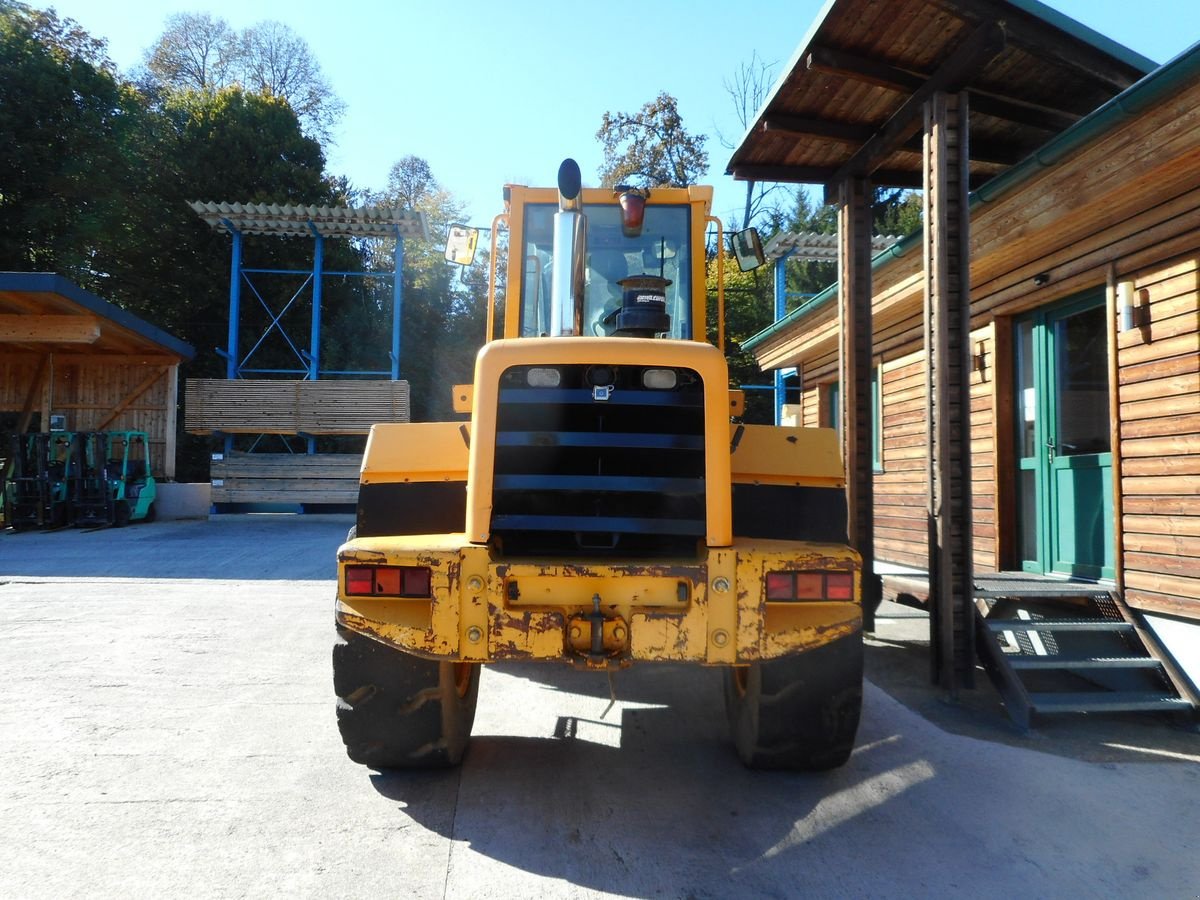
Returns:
(474,634)
(720,584)
(474,584)
(619,633)
(576,632)
(720,637)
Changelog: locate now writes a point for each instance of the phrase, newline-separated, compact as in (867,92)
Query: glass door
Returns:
(1064,458)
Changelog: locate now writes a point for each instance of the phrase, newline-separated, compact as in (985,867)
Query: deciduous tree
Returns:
(651,147)
(198,51)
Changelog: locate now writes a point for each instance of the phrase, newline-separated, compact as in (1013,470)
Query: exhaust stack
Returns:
(570,254)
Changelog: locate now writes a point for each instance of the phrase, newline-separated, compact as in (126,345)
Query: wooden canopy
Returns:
(44,313)
(66,352)
(850,102)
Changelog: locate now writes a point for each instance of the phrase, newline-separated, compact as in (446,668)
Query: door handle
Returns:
(1050,448)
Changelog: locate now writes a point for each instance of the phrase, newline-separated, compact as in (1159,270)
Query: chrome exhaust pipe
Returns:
(570,254)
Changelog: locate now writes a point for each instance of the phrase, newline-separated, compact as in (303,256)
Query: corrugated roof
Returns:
(306,221)
(811,245)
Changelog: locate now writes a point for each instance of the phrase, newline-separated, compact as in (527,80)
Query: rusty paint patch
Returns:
(354,554)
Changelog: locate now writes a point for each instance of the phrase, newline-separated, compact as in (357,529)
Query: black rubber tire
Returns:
(121,513)
(399,711)
(151,513)
(798,712)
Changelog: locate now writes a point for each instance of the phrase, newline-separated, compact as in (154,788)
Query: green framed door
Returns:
(1064,454)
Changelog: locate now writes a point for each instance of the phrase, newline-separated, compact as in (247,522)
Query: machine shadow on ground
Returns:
(591,799)
(591,802)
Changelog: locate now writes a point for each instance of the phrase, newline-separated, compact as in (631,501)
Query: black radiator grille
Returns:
(579,475)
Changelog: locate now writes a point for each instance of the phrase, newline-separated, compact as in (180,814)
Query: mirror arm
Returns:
(491,309)
(720,280)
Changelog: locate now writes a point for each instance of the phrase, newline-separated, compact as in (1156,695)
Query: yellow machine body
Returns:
(428,506)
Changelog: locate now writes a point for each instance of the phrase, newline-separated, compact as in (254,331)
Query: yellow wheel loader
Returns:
(602,508)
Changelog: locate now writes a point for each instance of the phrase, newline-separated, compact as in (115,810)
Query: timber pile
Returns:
(285,477)
(262,406)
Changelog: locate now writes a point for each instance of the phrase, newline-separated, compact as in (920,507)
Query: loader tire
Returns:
(399,711)
(798,712)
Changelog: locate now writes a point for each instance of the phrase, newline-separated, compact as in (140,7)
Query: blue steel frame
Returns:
(236,365)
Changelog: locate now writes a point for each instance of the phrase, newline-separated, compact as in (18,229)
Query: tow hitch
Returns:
(597,637)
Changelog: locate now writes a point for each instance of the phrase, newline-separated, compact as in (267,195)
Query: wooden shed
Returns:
(66,352)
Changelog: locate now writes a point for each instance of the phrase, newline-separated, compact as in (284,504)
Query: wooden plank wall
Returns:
(88,389)
(1159,395)
(901,491)
(901,530)
(261,406)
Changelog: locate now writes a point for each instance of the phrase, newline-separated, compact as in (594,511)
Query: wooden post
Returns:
(947,327)
(855,358)
(48,392)
(36,390)
(171,425)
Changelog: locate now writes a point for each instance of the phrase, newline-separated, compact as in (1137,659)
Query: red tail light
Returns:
(388,581)
(839,586)
(790,586)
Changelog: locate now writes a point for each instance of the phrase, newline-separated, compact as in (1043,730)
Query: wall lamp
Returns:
(1041,279)
(979,359)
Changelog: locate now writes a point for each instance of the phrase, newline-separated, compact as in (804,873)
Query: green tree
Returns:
(896,211)
(66,118)
(651,147)
(444,315)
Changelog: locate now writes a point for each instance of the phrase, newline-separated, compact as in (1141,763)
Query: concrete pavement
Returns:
(166,728)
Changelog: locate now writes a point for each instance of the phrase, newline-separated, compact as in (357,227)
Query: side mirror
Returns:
(461,243)
(747,248)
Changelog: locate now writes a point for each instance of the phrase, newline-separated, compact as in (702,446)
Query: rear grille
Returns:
(580,476)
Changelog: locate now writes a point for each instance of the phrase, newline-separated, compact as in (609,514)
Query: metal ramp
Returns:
(1072,648)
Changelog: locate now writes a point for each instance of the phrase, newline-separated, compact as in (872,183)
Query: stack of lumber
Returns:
(285,477)
(260,406)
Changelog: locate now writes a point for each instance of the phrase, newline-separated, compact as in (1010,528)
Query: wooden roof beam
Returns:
(845,132)
(1032,35)
(822,174)
(49,329)
(979,48)
(871,71)
(1023,112)
(998,152)
(844,64)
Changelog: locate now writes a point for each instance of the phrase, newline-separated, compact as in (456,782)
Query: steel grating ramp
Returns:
(1071,648)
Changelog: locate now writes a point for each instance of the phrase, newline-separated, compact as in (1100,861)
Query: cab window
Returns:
(661,249)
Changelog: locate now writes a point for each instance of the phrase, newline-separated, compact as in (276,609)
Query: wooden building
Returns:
(1079,343)
(64,352)
(1085,357)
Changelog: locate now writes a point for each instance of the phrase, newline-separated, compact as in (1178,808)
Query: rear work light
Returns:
(789,586)
(388,581)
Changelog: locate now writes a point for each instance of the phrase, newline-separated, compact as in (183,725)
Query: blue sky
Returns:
(501,91)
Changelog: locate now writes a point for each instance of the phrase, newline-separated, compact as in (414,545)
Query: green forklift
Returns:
(111,482)
(36,486)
